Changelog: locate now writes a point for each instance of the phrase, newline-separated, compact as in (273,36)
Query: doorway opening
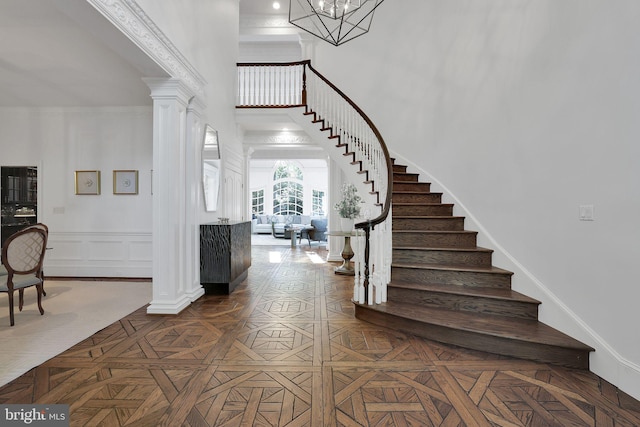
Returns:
(19,195)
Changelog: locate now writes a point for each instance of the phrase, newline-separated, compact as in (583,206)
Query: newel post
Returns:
(366,284)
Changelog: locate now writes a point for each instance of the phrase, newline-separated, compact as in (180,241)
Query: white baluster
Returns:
(380,265)
(362,243)
(356,265)
(370,285)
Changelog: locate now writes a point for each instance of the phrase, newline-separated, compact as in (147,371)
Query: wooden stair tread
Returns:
(491,269)
(454,249)
(492,293)
(427,217)
(531,331)
(421,204)
(436,231)
(416,192)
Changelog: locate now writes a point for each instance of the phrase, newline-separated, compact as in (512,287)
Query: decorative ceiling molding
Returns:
(257,21)
(289,139)
(131,20)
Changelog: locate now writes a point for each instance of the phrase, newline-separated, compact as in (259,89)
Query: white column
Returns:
(247,175)
(336,243)
(195,198)
(170,233)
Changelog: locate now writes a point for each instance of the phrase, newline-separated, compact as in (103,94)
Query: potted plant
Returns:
(348,207)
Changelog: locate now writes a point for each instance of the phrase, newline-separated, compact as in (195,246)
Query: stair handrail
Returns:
(371,223)
(276,93)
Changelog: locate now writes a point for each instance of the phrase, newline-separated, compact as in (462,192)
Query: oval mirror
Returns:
(210,168)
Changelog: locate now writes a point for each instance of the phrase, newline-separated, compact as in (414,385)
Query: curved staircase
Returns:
(445,288)
(442,286)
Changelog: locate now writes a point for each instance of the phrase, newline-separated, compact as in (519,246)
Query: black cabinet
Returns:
(225,255)
(19,196)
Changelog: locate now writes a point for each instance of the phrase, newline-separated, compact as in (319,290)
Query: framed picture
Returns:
(125,182)
(87,182)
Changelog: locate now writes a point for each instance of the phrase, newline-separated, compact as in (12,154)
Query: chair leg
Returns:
(20,299)
(39,287)
(10,294)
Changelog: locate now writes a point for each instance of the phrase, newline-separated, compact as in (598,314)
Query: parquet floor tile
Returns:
(284,349)
(277,341)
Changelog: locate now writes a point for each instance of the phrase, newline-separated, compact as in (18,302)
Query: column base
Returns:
(168,307)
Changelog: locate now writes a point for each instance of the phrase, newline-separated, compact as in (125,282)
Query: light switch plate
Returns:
(586,213)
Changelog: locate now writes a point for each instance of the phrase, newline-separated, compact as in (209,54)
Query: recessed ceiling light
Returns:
(276,5)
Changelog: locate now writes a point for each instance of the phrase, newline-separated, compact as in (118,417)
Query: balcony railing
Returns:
(298,84)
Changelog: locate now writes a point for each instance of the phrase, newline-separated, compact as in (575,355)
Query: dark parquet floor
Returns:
(284,349)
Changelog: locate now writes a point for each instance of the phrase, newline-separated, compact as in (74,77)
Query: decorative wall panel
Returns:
(73,254)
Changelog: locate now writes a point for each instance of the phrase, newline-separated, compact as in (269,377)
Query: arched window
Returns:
(287,189)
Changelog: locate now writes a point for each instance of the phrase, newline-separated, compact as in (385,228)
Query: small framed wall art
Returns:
(87,182)
(125,182)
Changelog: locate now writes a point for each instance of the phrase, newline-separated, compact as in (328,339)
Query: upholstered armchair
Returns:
(22,257)
(318,231)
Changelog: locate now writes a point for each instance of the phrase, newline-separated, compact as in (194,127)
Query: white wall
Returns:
(90,235)
(523,111)
(206,33)
(269,52)
(110,235)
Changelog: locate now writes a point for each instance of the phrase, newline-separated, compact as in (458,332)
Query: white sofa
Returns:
(277,224)
(261,224)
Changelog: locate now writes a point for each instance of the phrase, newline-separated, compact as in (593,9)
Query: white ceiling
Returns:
(263,7)
(65,53)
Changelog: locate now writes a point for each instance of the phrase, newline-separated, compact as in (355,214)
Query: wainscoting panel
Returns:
(102,254)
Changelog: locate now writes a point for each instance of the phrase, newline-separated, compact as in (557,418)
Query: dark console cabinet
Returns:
(225,255)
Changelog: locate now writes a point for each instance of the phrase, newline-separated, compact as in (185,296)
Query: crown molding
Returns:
(132,21)
(257,139)
(261,21)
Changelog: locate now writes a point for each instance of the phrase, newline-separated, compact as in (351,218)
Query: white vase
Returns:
(346,224)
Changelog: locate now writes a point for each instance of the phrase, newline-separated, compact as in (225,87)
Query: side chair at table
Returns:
(22,257)
(44,228)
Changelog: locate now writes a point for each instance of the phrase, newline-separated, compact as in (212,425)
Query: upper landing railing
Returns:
(298,84)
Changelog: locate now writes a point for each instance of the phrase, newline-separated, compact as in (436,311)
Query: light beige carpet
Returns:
(73,311)
(269,240)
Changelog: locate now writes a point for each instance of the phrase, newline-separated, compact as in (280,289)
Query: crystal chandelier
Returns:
(334,21)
